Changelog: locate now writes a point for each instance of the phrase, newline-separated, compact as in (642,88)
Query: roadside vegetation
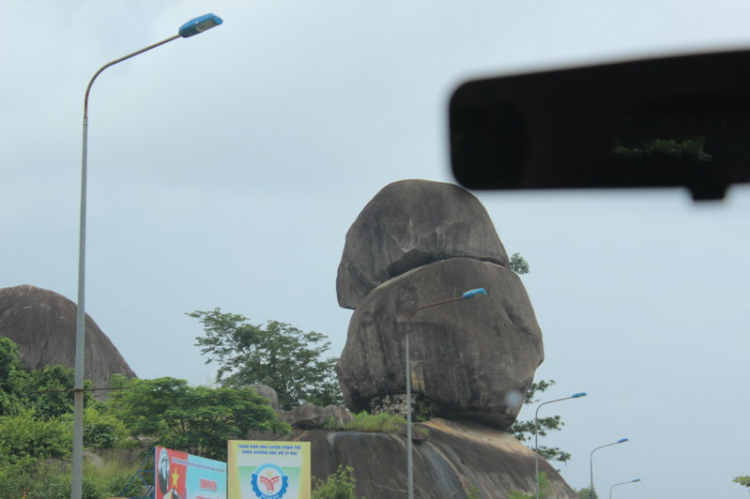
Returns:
(36,427)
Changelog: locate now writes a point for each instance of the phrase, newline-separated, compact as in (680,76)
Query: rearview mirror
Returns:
(678,121)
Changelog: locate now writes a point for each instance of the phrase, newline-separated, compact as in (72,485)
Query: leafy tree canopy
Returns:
(742,480)
(524,430)
(518,264)
(198,420)
(277,355)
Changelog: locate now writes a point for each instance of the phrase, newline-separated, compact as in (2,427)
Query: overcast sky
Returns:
(225,170)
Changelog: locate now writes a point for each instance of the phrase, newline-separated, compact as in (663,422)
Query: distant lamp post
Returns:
(591,459)
(536,433)
(409,446)
(191,28)
(621,483)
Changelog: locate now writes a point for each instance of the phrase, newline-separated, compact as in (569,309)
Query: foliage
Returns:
(474,493)
(24,436)
(742,480)
(688,149)
(103,430)
(198,420)
(382,422)
(49,391)
(279,355)
(339,485)
(518,264)
(12,377)
(524,430)
(587,493)
(52,480)
(545,489)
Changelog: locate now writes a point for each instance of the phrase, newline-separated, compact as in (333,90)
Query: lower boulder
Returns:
(470,359)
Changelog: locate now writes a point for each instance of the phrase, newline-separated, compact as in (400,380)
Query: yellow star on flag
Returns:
(175,478)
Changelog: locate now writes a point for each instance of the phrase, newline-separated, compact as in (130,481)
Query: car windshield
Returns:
(225,170)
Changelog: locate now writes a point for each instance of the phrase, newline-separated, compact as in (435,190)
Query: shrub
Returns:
(377,423)
(339,485)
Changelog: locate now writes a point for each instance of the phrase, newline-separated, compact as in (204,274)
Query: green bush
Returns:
(339,485)
(23,436)
(377,423)
(102,430)
(51,480)
(545,489)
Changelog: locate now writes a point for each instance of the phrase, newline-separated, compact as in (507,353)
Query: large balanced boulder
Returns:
(408,224)
(43,325)
(470,359)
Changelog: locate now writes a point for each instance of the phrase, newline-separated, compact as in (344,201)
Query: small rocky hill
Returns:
(453,459)
(43,324)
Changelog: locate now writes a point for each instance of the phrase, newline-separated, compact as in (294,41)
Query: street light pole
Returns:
(409,445)
(191,28)
(621,483)
(536,433)
(591,459)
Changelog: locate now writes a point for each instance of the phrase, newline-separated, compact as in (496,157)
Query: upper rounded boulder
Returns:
(408,224)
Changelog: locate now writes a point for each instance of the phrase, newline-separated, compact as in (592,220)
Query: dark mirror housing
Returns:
(677,121)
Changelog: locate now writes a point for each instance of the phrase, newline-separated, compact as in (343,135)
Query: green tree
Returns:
(279,355)
(24,437)
(13,377)
(587,493)
(524,430)
(742,480)
(198,420)
(339,485)
(518,264)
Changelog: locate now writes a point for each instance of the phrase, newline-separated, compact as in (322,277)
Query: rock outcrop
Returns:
(418,243)
(308,416)
(457,460)
(43,324)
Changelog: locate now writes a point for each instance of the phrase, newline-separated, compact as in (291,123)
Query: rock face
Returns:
(409,224)
(308,416)
(43,324)
(457,458)
(466,356)
(418,243)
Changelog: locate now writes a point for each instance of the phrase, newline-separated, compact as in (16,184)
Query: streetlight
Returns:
(191,28)
(536,433)
(621,483)
(409,461)
(591,459)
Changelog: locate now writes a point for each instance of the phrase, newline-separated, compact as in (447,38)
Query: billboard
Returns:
(179,475)
(269,470)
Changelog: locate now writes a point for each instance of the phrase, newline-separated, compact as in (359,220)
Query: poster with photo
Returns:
(269,469)
(179,475)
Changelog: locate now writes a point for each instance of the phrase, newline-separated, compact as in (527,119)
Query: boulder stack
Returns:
(418,243)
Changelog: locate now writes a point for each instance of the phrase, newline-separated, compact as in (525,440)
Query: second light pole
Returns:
(409,445)
(536,433)
(591,460)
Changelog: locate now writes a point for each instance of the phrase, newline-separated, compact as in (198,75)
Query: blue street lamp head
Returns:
(622,440)
(578,395)
(474,292)
(199,25)
(637,480)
